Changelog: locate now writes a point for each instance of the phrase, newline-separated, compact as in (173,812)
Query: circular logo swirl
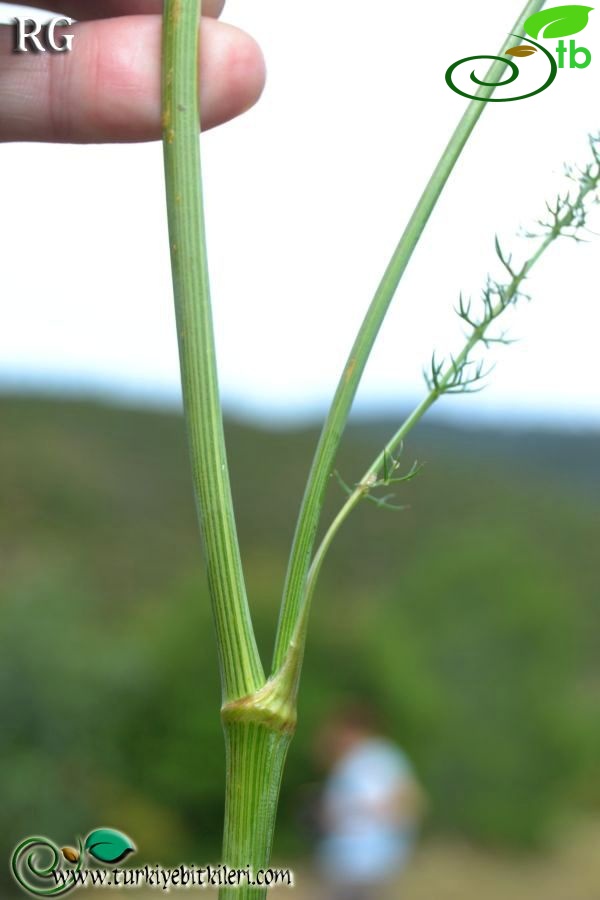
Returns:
(514,74)
(32,875)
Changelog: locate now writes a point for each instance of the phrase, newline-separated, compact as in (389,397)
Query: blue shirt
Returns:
(367,839)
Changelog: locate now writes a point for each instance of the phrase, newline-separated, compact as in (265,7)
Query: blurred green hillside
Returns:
(470,619)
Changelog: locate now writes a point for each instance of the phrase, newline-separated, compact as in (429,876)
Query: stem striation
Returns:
(258,719)
(256,755)
(241,669)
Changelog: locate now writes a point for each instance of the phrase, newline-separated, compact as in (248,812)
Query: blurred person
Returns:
(107,88)
(370,807)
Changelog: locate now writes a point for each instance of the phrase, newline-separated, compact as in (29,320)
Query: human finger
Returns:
(108,87)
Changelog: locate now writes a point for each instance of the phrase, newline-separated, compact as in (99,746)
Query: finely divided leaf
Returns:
(558,22)
(108,845)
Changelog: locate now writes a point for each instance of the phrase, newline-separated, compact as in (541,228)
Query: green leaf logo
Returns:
(558,22)
(108,845)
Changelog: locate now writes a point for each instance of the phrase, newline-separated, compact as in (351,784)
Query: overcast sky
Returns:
(306,196)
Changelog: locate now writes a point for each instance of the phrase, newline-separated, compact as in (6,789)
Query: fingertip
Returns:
(232,75)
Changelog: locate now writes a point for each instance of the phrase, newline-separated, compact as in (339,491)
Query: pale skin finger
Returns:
(107,89)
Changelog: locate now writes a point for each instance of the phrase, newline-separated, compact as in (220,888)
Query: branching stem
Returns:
(259,714)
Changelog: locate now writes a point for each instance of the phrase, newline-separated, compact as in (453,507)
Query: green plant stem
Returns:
(310,511)
(255,759)
(241,669)
(257,718)
(258,732)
